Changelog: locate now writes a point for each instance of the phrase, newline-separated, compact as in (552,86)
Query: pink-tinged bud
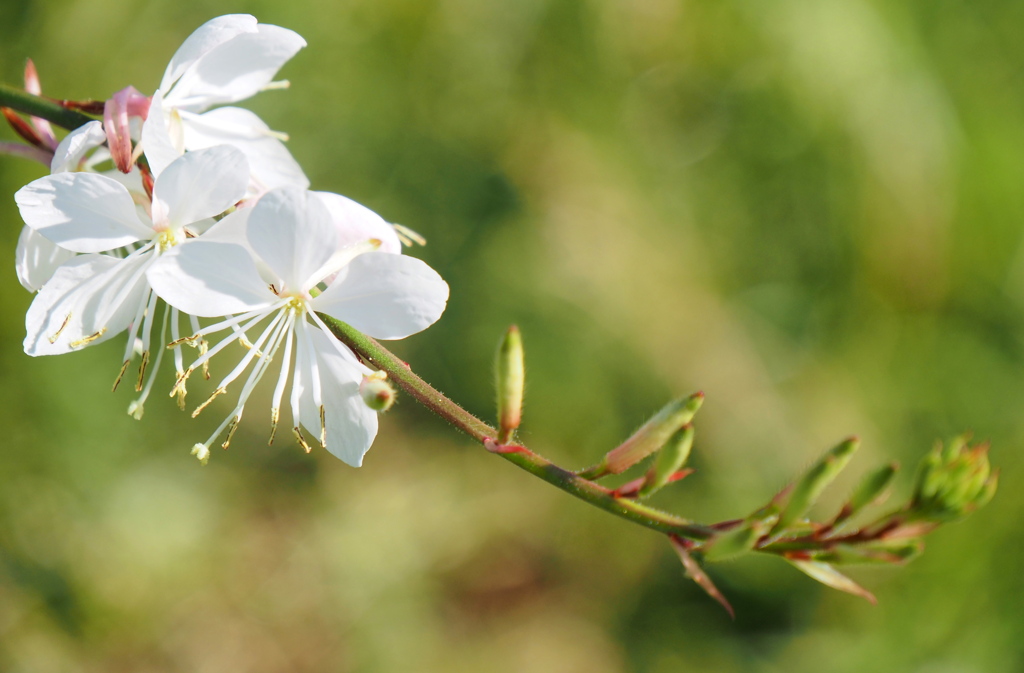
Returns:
(654,434)
(42,127)
(32,84)
(376,392)
(22,128)
(117,111)
(510,379)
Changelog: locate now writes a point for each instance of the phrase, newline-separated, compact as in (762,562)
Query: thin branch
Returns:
(400,373)
(41,107)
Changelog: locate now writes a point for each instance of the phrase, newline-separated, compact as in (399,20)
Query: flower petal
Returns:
(271,164)
(206,37)
(198,185)
(89,299)
(37,258)
(357,223)
(157,140)
(209,279)
(230,229)
(72,150)
(236,69)
(386,296)
(351,425)
(83,212)
(293,233)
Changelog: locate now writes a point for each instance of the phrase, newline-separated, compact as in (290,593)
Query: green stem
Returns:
(399,372)
(44,108)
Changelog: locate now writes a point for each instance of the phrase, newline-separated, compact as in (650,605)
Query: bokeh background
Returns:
(811,211)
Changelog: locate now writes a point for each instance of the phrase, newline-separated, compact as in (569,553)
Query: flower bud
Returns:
(654,434)
(510,377)
(123,105)
(670,460)
(810,486)
(376,392)
(869,490)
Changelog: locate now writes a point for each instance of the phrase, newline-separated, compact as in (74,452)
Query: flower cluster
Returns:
(178,223)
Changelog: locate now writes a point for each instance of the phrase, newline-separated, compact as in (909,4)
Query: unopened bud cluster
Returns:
(953,481)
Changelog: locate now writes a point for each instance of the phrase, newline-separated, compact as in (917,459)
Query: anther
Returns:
(120,374)
(190,340)
(64,324)
(89,339)
(231,432)
(302,442)
(248,346)
(274,414)
(179,384)
(204,346)
(142,371)
(218,391)
(323,428)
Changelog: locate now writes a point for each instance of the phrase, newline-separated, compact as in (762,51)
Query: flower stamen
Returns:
(120,375)
(407,236)
(232,427)
(216,393)
(135,409)
(299,438)
(142,371)
(282,379)
(89,339)
(56,335)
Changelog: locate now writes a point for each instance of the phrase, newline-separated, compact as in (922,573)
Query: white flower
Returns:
(276,280)
(36,257)
(103,291)
(227,59)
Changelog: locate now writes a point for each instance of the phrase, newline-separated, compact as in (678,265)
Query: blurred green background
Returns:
(811,211)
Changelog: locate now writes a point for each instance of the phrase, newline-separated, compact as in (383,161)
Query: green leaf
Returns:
(831,577)
(697,574)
